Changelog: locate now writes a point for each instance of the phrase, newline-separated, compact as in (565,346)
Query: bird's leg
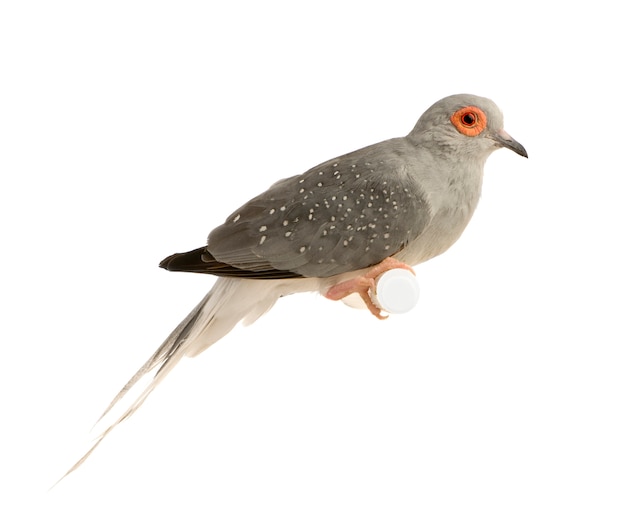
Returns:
(364,283)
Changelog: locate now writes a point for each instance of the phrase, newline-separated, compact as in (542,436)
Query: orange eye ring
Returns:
(469,121)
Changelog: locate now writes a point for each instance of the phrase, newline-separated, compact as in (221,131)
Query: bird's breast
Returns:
(453,200)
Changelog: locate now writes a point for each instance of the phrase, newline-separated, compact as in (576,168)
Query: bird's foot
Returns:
(363,284)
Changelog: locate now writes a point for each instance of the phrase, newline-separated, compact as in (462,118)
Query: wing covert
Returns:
(343,215)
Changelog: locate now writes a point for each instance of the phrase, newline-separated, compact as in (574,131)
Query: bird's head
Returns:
(465,125)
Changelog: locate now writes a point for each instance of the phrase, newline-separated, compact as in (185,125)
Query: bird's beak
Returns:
(504,140)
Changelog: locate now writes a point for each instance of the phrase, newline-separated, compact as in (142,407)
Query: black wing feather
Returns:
(201,261)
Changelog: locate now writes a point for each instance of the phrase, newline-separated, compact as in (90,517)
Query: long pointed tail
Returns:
(229,301)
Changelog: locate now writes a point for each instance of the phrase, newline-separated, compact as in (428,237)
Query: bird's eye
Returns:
(469,121)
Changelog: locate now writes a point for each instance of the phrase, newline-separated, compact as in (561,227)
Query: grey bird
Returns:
(335,228)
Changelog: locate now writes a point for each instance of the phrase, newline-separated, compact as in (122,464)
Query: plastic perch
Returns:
(396,292)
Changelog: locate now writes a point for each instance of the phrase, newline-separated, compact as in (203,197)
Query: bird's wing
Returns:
(346,214)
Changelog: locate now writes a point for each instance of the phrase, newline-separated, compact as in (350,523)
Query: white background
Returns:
(130,129)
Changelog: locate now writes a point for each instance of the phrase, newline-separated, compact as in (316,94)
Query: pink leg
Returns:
(364,283)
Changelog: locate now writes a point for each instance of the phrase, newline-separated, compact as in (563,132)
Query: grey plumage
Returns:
(343,215)
(405,199)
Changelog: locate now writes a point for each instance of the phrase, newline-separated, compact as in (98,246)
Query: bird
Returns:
(334,229)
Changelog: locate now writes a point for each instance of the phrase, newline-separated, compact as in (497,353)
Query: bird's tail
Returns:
(230,301)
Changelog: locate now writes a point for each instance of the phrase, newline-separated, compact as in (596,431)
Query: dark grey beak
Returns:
(503,139)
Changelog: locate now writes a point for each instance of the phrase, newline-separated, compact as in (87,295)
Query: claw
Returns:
(363,284)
